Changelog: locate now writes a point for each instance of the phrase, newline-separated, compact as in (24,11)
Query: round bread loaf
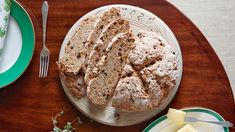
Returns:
(150,77)
(134,73)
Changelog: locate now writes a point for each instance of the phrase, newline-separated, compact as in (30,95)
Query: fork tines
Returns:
(44,64)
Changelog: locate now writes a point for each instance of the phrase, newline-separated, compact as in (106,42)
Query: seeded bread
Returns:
(102,86)
(71,62)
(130,92)
(148,49)
(76,85)
(103,61)
(152,77)
(160,78)
(160,75)
(100,24)
(116,27)
(77,48)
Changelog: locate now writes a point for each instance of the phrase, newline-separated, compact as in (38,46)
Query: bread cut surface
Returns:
(114,28)
(75,55)
(102,86)
(100,24)
(71,62)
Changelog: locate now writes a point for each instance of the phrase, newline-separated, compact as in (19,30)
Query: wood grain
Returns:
(29,103)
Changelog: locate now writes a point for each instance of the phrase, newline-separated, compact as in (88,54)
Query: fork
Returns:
(222,123)
(45,53)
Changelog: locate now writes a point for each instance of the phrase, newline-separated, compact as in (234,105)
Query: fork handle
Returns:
(45,9)
(222,123)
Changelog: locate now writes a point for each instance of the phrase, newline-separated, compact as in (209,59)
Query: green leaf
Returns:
(2,32)
(7,6)
(62,112)
(68,127)
(1,51)
(5,19)
(57,129)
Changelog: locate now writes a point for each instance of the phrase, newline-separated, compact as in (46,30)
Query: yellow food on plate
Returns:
(173,127)
(187,128)
(176,115)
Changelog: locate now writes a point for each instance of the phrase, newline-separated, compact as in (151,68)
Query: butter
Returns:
(173,127)
(176,115)
(187,128)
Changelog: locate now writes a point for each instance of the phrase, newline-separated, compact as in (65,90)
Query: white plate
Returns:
(19,45)
(140,20)
(199,113)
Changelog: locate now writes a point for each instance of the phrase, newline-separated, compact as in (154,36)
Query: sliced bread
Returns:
(99,26)
(71,62)
(114,28)
(102,86)
(76,85)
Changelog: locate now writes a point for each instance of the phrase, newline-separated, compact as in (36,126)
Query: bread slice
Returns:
(148,49)
(76,84)
(102,86)
(100,24)
(116,27)
(130,93)
(71,62)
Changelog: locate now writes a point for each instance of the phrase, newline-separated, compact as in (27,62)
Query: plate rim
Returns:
(30,41)
(190,109)
(71,31)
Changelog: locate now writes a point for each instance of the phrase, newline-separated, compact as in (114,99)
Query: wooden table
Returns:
(29,103)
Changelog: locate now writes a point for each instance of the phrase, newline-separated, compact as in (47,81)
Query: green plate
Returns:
(28,41)
(198,112)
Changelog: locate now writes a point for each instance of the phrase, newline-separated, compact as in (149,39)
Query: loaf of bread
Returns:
(105,62)
(114,28)
(152,77)
(102,86)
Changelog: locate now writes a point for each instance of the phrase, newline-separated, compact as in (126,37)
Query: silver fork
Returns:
(45,53)
(222,123)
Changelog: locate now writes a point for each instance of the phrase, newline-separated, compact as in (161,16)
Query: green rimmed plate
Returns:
(19,45)
(198,112)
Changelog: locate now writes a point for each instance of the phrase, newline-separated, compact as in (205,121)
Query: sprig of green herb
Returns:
(68,127)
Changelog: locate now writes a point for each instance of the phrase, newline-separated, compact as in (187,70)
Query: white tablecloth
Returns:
(216,20)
